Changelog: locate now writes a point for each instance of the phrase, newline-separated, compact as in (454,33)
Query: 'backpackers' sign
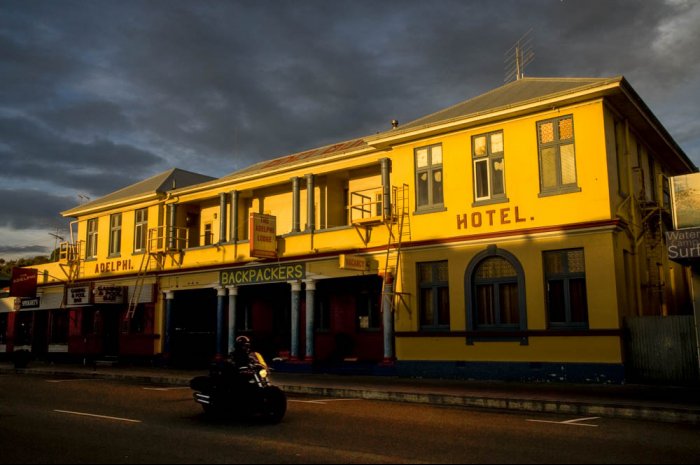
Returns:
(278,272)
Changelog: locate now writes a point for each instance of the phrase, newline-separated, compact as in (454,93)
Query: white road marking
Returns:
(322,402)
(98,416)
(574,422)
(72,379)
(164,389)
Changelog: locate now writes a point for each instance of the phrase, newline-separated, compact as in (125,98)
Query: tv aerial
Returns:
(517,57)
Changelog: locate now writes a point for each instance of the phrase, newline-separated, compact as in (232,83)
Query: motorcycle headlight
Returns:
(263,373)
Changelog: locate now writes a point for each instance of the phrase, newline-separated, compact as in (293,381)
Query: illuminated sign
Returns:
(24,303)
(684,244)
(353,262)
(263,236)
(23,282)
(686,201)
(77,296)
(279,272)
(109,295)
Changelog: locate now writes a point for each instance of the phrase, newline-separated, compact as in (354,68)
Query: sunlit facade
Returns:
(505,237)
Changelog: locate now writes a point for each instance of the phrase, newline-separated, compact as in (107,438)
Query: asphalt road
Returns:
(53,420)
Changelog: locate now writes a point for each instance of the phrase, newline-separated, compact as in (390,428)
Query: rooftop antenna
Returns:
(517,57)
(83,198)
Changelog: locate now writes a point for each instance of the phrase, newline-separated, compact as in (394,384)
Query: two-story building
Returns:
(506,237)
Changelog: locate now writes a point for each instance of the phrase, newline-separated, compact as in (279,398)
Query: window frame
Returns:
(489,159)
(91,238)
(141,230)
(566,277)
(491,332)
(115,234)
(435,286)
(557,143)
(430,169)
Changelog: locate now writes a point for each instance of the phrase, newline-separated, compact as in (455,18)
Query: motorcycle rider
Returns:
(243,358)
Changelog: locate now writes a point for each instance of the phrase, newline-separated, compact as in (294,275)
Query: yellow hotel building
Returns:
(505,237)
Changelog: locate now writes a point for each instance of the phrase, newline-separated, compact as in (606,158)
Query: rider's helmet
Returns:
(242,344)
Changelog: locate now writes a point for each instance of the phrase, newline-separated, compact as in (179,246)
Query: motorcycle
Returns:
(247,391)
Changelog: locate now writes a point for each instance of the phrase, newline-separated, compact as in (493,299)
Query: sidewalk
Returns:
(674,404)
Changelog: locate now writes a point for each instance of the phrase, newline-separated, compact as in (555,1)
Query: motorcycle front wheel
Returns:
(274,405)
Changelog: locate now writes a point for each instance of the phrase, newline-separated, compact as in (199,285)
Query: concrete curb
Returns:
(567,407)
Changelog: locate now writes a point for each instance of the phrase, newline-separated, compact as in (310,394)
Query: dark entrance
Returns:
(264,313)
(193,339)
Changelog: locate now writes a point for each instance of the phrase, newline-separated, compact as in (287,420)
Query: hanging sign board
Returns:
(23,282)
(263,236)
(683,245)
(77,296)
(109,295)
(353,262)
(686,201)
(27,303)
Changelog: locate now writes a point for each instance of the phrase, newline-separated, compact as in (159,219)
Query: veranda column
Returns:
(232,303)
(169,302)
(388,318)
(296,290)
(310,314)
(220,321)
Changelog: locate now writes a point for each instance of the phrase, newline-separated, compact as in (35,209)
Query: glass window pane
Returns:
(556,304)
(436,155)
(510,311)
(422,189)
(497,176)
(480,146)
(425,273)
(566,129)
(553,263)
(568,164)
(422,158)
(549,168)
(443,306)
(579,302)
(495,267)
(497,143)
(437,187)
(426,306)
(441,271)
(485,305)
(546,133)
(576,261)
(481,179)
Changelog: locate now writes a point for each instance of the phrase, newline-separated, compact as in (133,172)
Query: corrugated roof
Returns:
(158,184)
(520,92)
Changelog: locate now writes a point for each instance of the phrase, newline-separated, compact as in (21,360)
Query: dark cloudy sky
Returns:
(96,95)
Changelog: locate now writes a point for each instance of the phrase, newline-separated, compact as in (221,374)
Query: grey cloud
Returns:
(32,209)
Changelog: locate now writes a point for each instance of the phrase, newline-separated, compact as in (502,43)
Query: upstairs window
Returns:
(140,229)
(115,234)
(91,241)
(489,167)
(555,141)
(429,178)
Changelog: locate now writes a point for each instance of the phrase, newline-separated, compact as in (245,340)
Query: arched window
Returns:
(495,292)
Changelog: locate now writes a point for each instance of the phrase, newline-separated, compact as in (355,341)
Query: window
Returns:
(489,167)
(555,140)
(565,276)
(322,318)
(91,246)
(115,234)
(429,178)
(495,296)
(433,282)
(140,229)
(368,310)
(23,328)
(208,235)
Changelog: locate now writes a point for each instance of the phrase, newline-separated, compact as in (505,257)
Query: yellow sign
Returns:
(263,236)
(353,262)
